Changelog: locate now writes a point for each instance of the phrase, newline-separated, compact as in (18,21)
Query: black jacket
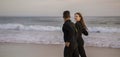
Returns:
(69,31)
(81,29)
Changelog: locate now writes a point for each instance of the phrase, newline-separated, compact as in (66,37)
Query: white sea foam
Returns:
(94,39)
(53,28)
(104,29)
(19,33)
(28,27)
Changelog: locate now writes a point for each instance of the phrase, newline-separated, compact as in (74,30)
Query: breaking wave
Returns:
(53,28)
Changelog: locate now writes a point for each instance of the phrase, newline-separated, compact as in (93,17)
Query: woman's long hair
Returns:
(82,21)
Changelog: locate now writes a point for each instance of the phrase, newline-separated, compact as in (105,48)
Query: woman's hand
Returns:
(67,44)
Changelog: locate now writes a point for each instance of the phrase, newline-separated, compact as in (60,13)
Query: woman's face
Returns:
(77,17)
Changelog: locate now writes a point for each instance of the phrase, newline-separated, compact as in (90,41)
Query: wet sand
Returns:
(49,50)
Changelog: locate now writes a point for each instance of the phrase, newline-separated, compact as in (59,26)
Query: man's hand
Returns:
(67,44)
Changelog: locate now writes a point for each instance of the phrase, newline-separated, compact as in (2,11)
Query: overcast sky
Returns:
(56,7)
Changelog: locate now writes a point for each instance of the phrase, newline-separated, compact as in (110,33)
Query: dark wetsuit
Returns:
(69,32)
(80,40)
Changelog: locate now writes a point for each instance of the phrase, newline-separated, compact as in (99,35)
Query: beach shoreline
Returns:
(51,50)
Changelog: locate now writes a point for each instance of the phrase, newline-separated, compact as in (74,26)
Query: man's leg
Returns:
(67,52)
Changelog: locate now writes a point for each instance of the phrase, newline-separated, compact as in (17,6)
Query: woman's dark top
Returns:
(81,30)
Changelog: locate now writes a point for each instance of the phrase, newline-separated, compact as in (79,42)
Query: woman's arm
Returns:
(82,29)
(85,32)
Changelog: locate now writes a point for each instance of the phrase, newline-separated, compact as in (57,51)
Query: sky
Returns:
(56,7)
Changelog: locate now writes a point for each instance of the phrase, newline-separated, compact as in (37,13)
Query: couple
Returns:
(74,43)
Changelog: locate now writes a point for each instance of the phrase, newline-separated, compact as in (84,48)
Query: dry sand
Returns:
(40,50)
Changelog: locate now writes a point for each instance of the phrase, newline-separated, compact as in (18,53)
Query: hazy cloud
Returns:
(56,7)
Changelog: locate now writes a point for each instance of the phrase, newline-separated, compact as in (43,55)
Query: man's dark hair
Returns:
(66,14)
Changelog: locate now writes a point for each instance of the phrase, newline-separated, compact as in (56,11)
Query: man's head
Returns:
(66,14)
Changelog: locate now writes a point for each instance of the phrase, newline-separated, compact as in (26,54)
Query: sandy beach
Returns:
(49,50)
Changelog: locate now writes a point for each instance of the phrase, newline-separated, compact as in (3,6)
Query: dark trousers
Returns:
(69,52)
(81,48)
(82,51)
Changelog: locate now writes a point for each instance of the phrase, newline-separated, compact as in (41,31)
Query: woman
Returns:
(82,29)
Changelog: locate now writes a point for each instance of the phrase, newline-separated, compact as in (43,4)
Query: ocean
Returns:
(103,31)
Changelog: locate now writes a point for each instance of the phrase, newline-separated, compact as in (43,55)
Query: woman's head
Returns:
(79,18)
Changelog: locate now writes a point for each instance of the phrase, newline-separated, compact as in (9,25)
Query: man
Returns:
(69,31)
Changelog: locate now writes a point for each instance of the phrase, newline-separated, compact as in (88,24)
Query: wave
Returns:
(53,28)
(104,29)
(28,27)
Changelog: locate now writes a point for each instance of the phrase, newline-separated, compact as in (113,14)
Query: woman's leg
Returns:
(82,51)
(75,53)
(81,48)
